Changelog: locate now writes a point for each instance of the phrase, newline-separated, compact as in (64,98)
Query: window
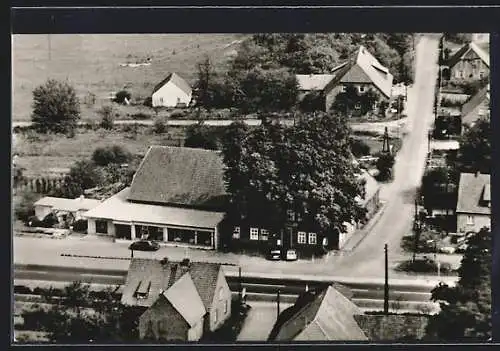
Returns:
(101,227)
(290,215)
(470,220)
(343,88)
(161,100)
(221,294)
(361,88)
(264,234)
(312,238)
(301,237)
(236,233)
(254,233)
(142,291)
(215,316)
(481,75)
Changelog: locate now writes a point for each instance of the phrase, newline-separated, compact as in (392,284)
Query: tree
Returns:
(24,208)
(83,175)
(122,96)
(56,107)
(81,316)
(106,155)
(200,136)
(107,117)
(385,163)
(203,93)
(475,150)
(351,102)
(272,169)
(439,188)
(465,314)
(359,147)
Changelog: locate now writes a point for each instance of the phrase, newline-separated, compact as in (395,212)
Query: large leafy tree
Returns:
(307,168)
(475,151)
(200,136)
(56,107)
(465,314)
(439,188)
(351,102)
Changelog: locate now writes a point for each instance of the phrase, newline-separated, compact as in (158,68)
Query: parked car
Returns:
(274,254)
(291,255)
(461,248)
(447,250)
(144,245)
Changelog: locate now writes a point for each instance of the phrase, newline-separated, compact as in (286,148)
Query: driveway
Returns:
(260,321)
(396,221)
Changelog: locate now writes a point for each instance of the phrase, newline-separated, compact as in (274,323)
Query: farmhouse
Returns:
(319,315)
(62,207)
(177,196)
(181,300)
(362,72)
(173,91)
(474,202)
(470,62)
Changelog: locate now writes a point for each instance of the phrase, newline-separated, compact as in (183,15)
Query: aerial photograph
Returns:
(246,188)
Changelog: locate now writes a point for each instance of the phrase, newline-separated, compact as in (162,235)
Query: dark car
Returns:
(274,254)
(144,245)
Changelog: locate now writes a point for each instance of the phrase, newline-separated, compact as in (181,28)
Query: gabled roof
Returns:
(118,208)
(471,193)
(481,97)
(321,315)
(163,275)
(70,205)
(180,176)
(313,82)
(186,300)
(175,79)
(371,186)
(457,56)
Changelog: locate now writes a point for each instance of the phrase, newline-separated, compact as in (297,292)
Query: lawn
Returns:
(91,63)
(53,154)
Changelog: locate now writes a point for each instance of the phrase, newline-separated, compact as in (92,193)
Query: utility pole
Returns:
(278,304)
(386,285)
(240,284)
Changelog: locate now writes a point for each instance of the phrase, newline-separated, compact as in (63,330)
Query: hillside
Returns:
(92,63)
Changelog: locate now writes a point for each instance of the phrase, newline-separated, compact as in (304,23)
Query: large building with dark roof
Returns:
(177,196)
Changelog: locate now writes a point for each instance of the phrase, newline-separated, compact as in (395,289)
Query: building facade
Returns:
(474,202)
(173,91)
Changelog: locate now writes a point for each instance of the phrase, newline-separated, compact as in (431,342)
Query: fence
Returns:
(40,185)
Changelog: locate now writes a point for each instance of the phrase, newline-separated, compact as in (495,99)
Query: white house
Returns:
(64,207)
(474,202)
(173,91)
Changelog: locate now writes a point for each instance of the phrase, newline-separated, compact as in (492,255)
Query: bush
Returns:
(121,96)
(159,127)
(424,266)
(33,221)
(80,226)
(107,117)
(21,289)
(24,208)
(359,147)
(148,102)
(178,114)
(49,221)
(116,154)
(384,165)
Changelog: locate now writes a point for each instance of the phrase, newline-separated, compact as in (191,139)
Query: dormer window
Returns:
(290,214)
(142,291)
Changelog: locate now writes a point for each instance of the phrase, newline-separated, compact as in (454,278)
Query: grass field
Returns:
(91,63)
(55,154)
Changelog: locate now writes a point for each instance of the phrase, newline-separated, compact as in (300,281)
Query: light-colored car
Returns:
(447,250)
(291,255)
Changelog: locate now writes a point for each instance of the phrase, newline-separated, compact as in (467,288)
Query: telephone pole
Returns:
(386,285)
(278,304)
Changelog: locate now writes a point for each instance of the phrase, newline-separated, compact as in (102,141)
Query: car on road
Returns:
(447,250)
(291,255)
(144,245)
(274,254)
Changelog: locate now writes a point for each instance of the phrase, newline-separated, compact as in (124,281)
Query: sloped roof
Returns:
(163,275)
(118,208)
(175,79)
(186,300)
(181,176)
(470,193)
(481,97)
(313,82)
(378,74)
(326,315)
(70,205)
(457,56)
(371,186)
(392,327)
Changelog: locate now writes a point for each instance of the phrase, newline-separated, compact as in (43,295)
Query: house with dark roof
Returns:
(477,107)
(173,91)
(362,72)
(181,300)
(474,202)
(319,315)
(177,197)
(470,62)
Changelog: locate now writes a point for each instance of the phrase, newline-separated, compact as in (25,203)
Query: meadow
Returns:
(92,63)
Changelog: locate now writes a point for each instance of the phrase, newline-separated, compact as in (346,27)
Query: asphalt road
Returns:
(368,296)
(396,221)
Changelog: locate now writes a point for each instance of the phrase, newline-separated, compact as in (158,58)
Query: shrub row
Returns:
(98,257)
(37,292)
